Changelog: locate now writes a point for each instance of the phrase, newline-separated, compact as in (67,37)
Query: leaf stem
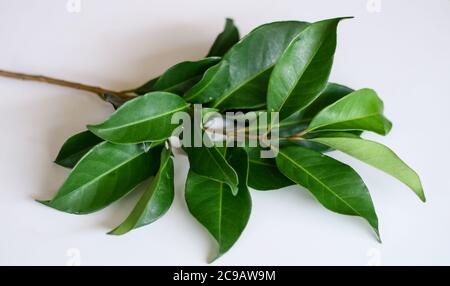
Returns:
(93,89)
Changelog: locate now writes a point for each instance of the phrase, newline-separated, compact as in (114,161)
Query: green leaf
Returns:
(155,201)
(263,173)
(105,174)
(210,162)
(303,69)
(181,77)
(332,93)
(225,40)
(378,156)
(146,87)
(145,118)
(240,80)
(76,147)
(178,78)
(214,206)
(335,185)
(359,110)
(304,142)
(209,159)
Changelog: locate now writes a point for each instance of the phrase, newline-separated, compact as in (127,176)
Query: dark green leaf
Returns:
(240,80)
(299,120)
(263,173)
(214,206)
(145,118)
(225,40)
(378,156)
(155,201)
(335,185)
(359,110)
(76,147)
(302,71)
(332,93)
(179,78)
(105,174)
(210,162)
(146,87)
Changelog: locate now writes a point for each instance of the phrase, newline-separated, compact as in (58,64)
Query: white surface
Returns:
(401,51)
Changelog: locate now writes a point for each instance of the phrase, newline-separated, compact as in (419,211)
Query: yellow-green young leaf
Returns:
(378,156)
(145,118)
(240,80)
(76,147)
(105,174)
(302,71)
(213,205)
(155,201)
(359,110)
(335,185)
(225,40)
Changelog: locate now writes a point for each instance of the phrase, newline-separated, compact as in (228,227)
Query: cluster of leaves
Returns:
(278,67)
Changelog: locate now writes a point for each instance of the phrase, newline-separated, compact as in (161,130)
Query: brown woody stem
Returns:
(94,89)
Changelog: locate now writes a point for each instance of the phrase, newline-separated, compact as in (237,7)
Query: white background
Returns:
(401,51)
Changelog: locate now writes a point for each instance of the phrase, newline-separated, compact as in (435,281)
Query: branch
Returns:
(94,89)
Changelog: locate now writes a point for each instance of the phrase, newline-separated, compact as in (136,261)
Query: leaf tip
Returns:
(377,235)
(422,197)
(113,232)
(118,231)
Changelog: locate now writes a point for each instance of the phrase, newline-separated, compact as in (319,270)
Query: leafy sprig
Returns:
(278,67)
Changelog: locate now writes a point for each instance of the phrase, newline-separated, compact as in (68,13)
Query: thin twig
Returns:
(94,89)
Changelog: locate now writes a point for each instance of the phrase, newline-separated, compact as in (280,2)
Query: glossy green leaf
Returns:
(181,77)
(359,110)
(210,162)
(105,174)
(215,207)
(303,69)
(76,147)
(155,201)
(263,173)
(145,118)
(332,93)
(178,78)
(335,185)
(378,156)
(304,142)
(240,80)
(225,40)
(146,87)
